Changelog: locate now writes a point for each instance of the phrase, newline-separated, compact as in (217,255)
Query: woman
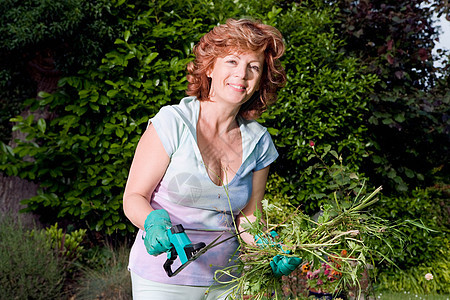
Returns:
(204,162)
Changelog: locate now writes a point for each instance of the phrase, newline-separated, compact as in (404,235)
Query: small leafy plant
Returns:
(68,245)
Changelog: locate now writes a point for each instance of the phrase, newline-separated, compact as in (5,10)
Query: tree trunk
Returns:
(14,189)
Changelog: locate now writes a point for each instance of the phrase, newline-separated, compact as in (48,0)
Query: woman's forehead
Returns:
(243,52)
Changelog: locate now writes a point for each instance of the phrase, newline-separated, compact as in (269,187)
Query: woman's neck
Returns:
(217,117)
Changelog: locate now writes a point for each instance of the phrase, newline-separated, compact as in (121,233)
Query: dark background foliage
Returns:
(44,40)
(409,111)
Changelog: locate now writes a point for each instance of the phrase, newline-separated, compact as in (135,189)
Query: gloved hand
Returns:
(280,264)
(156,240)
(284,265)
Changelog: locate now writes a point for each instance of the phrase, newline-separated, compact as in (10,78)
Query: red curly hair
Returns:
(240,36)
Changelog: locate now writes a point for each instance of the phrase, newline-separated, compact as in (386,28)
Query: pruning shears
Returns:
(188,252)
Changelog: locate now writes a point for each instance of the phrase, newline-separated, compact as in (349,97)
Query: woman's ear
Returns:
(210,69)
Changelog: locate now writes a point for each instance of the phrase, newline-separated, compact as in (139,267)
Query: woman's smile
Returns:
(237,87)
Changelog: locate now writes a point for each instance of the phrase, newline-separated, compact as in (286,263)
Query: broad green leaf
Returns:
(42,125)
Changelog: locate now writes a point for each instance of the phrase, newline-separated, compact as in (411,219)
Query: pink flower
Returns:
(428,276)
(311,143)
(319,282)
(315,273)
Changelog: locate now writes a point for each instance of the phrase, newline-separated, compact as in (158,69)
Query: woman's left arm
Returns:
(247,215)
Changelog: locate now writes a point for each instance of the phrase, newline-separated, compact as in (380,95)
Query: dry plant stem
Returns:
(318,242)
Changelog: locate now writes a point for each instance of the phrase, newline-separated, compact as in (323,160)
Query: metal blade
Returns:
(200,252)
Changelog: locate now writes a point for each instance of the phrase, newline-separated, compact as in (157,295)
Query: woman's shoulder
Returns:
(173,121)
(186,110)
(251,128)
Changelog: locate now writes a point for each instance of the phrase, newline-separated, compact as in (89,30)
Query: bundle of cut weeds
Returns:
(335,238)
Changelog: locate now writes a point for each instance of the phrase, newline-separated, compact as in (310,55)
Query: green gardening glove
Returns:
(284,265)
(156,240)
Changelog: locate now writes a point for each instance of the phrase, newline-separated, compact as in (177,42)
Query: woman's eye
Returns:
(231,61)
(256,68)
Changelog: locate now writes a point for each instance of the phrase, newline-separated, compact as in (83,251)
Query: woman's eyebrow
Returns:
(238,57)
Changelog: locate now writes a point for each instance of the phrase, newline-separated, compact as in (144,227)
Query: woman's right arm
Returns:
(148,167)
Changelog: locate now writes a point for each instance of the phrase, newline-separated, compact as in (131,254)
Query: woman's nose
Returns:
(242,71)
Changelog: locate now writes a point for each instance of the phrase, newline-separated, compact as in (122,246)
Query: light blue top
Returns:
(193,200)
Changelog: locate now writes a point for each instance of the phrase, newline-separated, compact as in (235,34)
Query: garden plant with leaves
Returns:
(335,240)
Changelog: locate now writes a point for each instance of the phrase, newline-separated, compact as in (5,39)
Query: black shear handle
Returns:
(169,262)
(190,251)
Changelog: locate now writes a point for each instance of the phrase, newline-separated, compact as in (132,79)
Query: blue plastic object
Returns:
(182,247)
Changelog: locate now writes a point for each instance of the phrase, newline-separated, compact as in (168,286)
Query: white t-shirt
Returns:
(193,200)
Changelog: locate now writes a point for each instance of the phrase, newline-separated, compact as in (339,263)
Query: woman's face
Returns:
(235,77)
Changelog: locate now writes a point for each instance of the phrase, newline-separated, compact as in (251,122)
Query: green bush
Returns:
(71,34)
(323,101)
(82,156)
(408,115)
(430,206)
(413,279)
(68,245)
(29,267)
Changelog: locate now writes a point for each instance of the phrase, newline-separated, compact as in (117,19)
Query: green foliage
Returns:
(430,206)
(323,100)
(413,279)
(108,280)
(30,26)
(67,245)
(81,157)
(415,143)
(74,31)
(64,35)
(277,194)
(29,268)
(408,116)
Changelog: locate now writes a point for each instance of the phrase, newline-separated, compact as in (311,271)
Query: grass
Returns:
(387,295)
(111,281)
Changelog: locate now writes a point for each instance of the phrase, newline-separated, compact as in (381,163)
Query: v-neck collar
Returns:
(251,131)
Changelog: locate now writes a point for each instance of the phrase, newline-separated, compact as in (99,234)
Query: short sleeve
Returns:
(265,151)
(168,127)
